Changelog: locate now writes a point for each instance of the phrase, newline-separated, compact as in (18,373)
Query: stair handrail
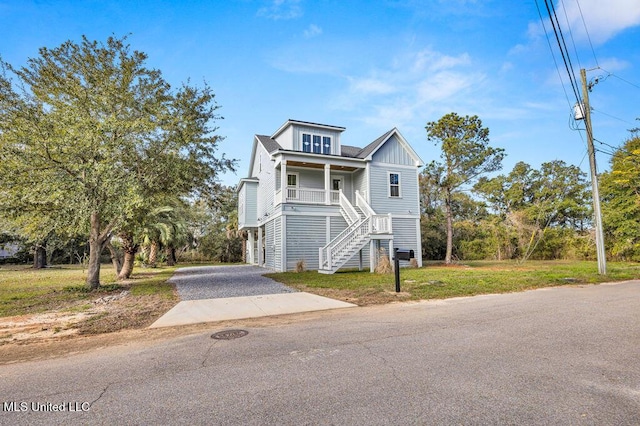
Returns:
(364,206)
(338,246)
(348,208)
(340,236)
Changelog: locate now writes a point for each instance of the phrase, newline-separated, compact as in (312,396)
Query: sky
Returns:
(373,65)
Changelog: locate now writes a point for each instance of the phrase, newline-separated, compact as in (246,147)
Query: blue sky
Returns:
(370,66)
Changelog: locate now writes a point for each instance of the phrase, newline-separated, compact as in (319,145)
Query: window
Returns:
(306,142)
(326,145)
(394,184)
(316,144)
(292,186)
(317,149)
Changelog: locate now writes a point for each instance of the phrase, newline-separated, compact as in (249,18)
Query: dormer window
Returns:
(317,149)
(316,144)
(306,142)
(326,145)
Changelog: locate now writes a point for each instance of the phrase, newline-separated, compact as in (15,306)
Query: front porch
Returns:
(319,183)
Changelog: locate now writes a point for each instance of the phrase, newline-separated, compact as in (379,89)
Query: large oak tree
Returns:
(88,133)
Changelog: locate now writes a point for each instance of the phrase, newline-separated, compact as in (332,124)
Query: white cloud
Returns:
(416,84)
(312,31)
(603,19)
(371,86)
(281,10)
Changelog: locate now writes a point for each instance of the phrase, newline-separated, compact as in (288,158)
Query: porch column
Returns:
(327,184)
(260,257)
(252,259)
(283,181)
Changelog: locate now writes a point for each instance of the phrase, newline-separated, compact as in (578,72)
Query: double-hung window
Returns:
(394,185)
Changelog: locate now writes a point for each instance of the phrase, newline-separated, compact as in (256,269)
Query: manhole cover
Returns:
(229,334)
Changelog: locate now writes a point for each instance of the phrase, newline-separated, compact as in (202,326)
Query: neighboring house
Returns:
(310,198)
(9,250)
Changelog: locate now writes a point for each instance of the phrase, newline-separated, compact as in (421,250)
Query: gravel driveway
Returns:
(213,282)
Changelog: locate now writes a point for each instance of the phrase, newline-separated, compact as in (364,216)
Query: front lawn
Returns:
(437,281)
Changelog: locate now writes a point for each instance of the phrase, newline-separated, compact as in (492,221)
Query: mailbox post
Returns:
(398,255)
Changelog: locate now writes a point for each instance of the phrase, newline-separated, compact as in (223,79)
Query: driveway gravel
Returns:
(213,282)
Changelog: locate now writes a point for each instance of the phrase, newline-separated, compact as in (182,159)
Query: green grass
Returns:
(24,290)
(436,281)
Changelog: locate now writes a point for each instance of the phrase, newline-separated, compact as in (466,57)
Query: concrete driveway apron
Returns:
(217,293)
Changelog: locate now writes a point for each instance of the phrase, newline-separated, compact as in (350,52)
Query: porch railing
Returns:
(306,196)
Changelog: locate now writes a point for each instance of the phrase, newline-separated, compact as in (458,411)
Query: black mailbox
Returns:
(403,254)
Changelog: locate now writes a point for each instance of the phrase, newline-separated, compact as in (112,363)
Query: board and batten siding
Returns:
(393,152)
(379,198)
(305,236)
(299,130)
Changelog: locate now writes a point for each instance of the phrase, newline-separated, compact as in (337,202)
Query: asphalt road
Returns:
(556,356)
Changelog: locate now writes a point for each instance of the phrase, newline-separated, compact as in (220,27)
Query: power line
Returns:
(557,31)
(587,32)
(613,116)
(546,34)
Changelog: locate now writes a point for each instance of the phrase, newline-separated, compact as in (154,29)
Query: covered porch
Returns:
(305,182)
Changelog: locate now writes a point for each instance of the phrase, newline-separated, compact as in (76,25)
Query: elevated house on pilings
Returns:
(309,197)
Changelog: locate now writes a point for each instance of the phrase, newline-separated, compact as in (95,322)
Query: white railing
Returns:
(349,213)
(364,206)
(381,224)
(306,196)
(343,243)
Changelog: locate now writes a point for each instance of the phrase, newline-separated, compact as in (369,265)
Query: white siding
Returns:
(285,139)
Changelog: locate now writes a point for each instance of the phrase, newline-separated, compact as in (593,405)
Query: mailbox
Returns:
(403,254)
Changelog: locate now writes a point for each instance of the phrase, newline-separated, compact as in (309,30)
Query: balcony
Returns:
(307,196)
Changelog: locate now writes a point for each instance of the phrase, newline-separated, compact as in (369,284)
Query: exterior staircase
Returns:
(362,223)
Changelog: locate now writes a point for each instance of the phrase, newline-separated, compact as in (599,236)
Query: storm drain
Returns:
(229,334)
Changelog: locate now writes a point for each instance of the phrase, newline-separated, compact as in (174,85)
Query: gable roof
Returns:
(268,143)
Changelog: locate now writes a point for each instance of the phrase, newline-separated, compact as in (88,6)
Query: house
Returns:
(309,197)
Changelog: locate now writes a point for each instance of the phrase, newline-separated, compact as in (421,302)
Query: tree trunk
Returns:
(153,254)
(447,258)
(170,252)
(130,248)
(115,257)
(39,256)
(97,241)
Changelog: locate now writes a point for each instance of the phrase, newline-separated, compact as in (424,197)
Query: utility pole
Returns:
(602,260)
